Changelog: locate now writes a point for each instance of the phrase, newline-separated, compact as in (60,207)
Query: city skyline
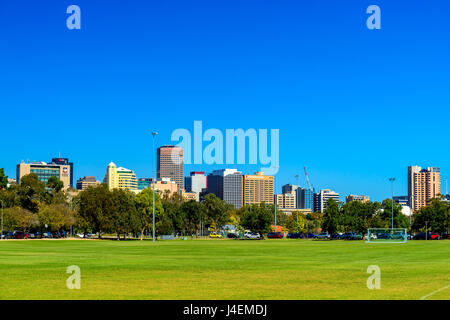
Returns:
(353,105)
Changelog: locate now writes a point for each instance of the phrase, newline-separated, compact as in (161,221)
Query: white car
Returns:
(252,235)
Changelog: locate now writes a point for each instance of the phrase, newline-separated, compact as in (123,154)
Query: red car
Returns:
(274,235)
(20,235)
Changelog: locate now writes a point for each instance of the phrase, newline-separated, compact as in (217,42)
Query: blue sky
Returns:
(355,106)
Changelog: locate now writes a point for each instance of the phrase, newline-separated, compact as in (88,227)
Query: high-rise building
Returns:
(196,182)
(258,188)
(170,164)
(403,200)
(119,177)
(165,185)
(321,198)
(305,198)
(286,200)
(85,182)
(356,197)
(423,185)
(65,161)
(226,184)
(44,171)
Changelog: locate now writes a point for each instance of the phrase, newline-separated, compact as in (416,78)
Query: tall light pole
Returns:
(275,192)
(1,234)
(154,133)
(296,196)
(392,190)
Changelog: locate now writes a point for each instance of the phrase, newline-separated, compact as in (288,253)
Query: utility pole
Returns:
(296,196)
(153,160)
(392,189)
(426,230)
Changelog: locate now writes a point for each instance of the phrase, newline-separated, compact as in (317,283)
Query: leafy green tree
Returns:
(125,216)
(55,184)
(3,179)
(31,192)
(217,211)
(17,218)
(144,206)
(400,220)
(332,218)
(193,213)
(95,209)
(55,216)
(436,216)
(258,219)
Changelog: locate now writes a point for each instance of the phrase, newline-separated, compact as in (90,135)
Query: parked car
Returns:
(445,236)
(7,235)
(274,235)
(336,236)
(309,235)
(426,236)
(294,235)
(215,235)
(232,235)
(323,235)
(253,235)
(20,235)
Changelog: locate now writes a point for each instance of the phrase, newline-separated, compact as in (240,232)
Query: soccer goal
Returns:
(386,235)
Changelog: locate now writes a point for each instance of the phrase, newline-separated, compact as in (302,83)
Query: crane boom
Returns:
(307,180)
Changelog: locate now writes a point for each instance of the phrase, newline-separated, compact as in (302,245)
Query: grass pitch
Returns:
(223,269)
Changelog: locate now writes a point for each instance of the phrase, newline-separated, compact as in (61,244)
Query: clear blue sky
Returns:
(355,106)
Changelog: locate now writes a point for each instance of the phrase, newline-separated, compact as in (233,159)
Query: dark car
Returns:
(309,235)
(232,235)
(445,236)
(7,235)
(294,235)
(274,235)
(426,236)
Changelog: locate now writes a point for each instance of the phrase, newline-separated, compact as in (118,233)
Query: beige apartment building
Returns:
(119,177)
(85,182)
(258,188)
(423,185)
(356,197)
(44,171)
(287,200)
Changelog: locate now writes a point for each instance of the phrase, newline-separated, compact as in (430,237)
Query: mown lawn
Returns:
(222,269)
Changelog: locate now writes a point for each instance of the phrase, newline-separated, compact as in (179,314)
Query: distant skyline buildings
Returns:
(44,171)
(170,164)
(423,185)
(226,184)
(120,177)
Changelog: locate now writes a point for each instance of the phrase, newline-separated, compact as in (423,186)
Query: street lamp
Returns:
(392,189)
(153,160)
(1,234)
(275,192)
(296,196)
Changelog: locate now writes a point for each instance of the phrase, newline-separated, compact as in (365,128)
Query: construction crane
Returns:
(307,181)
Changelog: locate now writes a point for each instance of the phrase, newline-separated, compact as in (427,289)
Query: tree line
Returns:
(33,205)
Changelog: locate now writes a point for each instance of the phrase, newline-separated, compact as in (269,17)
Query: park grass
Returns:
(223,269)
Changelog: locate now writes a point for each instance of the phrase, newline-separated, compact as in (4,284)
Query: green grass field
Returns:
(223,269)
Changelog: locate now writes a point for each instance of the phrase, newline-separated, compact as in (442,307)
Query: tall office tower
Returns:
(196,182)
(423,185)
(44,171)
(170,164)
(258,188)
(321,198)
(287,200)
(85,182)
(226,184)
(356,197)
(65,162)
(305,199)
(119,177)
(289,188)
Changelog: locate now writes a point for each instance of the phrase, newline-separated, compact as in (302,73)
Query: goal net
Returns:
(386,235)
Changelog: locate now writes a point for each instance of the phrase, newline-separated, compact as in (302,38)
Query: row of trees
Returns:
(358,216)
(35,205)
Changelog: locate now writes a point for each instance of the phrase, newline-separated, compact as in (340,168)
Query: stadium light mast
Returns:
(1,234)
(296,196)
(274,193)
(392,191)
(154,133)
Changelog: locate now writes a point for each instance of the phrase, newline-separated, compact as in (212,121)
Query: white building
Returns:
(196,182)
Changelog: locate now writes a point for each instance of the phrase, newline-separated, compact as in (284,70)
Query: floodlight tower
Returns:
(392,190)
(154,133)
